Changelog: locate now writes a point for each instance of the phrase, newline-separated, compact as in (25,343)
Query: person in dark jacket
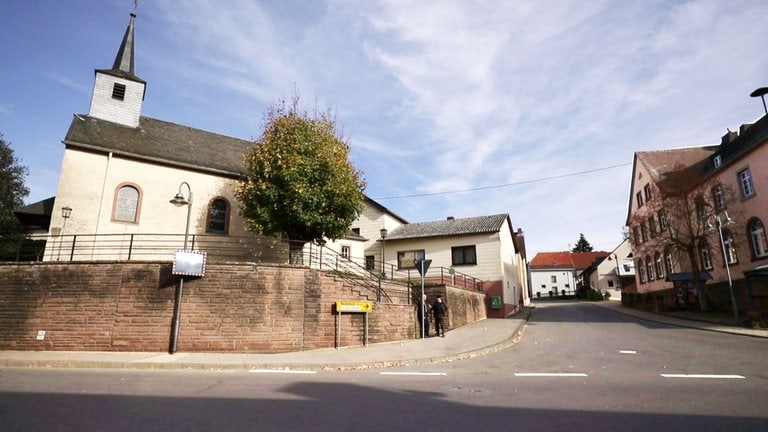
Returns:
(438,309)
(422,313)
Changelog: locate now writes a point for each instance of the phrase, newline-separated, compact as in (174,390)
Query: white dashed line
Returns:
(536,374)
(627,352)
(415,373)
(281,371)
(703,376)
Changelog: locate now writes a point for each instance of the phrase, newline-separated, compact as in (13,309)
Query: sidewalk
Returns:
(472,340)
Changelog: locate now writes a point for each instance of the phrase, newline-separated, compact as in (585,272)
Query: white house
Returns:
(558,273)
(485,247)
(612,273)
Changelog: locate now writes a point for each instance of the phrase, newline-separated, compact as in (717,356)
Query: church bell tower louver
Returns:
(118,93)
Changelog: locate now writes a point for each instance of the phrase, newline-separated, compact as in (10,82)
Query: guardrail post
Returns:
(72,250)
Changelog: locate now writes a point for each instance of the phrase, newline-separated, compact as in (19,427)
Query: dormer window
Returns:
(118,91)
(718,161)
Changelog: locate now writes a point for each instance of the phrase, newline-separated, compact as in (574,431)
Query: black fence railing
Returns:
(256,249)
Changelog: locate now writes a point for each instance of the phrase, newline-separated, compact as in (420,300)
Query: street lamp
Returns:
(761,92)
(719,223)
(383,233)
(180,200)
(66,212)
(618,272)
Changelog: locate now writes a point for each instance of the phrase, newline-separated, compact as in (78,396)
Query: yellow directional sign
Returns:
(354,306)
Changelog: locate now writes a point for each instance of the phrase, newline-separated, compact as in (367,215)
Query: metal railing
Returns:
(256,249)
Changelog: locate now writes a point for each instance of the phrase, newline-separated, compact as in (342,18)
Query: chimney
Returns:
(729,137)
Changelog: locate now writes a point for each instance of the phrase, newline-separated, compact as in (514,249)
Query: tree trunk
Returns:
(296,253)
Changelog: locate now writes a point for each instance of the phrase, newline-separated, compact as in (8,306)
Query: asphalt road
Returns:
(577,367)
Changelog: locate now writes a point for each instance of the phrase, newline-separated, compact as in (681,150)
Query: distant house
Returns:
(726,186)
(559,273)
(612,273)
(485,247)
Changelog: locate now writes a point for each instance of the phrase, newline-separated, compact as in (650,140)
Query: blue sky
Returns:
(440,101)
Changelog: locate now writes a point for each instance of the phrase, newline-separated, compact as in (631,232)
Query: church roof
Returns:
(161,142)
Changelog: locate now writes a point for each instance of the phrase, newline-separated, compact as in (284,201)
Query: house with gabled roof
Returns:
(486,247)
(560,273)
(725,186)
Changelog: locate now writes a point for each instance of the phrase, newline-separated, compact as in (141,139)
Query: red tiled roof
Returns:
(582,260)
(552,259)
(574,260)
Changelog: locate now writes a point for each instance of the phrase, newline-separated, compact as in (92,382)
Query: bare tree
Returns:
(680,220)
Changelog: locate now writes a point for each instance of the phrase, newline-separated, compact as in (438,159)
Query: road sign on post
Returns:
(422,266)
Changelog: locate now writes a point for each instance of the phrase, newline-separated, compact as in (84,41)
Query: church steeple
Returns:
(124,58)
(118,93)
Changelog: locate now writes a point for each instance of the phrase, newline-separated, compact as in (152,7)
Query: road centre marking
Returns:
(281,371)
(415,373)
(627,352)
(703,376)
(547,374)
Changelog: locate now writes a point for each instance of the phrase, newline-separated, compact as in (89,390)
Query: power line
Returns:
(506,184)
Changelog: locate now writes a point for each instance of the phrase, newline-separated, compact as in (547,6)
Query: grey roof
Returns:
(161,142)
(450,227)
(124,60)
(36,215)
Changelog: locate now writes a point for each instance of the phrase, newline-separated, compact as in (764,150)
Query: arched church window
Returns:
(218,216)
(127,203)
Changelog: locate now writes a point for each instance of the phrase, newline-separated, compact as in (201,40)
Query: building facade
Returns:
(697,219)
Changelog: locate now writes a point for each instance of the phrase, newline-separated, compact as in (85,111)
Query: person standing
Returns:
(438,309)
(422,313)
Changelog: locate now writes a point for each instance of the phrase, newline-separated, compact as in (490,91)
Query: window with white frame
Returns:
(647,191)
(346,252)
(706,259)
(757,235)
(669,262)
(662,220)
(718,197)
(745,183)
(639,197)
(407,259)
(127,202)
(649,267)
(553,279)
(659,265)
(730,248)
(641,268)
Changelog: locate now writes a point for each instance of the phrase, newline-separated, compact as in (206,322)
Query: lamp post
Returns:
(719,222)
(180,200)
(66,212)
(761,92)
(383,233)
(618,272)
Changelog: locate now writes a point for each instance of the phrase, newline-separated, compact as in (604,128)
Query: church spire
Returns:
(118,93)
(124,58)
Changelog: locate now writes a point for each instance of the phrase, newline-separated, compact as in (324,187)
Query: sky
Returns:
(451,108)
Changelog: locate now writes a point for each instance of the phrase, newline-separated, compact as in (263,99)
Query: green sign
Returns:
(495,302)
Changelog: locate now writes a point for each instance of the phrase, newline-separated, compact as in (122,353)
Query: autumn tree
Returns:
(680,221)
(300,183)
(12,194)
(582,245)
